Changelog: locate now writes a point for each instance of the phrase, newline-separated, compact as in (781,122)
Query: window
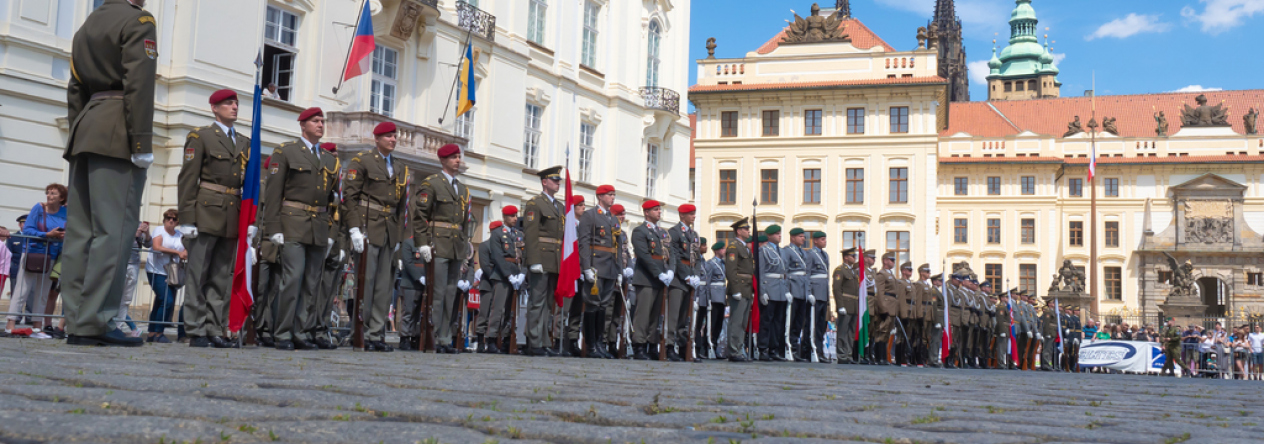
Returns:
(1028,231)
(1114,283)
(855,185)
(382,90)
(772,122)
(1112,234)
(898,243)
(531,136)
(993,273)
(587,132)
(652,61)
(1075,187)
(728,124)
(1027,277)
(994,186)
(651,170)
(1112,187)
(899,119)
(280,33)
(812,186)
(1076,238)
(1256,279)
(899,185)
(728,187)
(1009,87)
(1029,185)
(853,239)
(855,120)
(961,186)
(994,232)
(465,126)
(768,186)
(812,122)
(960,231)
(1165,277)
(728,237)
(535,21)
(589,55)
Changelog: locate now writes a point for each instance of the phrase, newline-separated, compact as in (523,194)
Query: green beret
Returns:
(772,229)
(702,241)
(763,238)
(818,234)
(718,246)
(796,231)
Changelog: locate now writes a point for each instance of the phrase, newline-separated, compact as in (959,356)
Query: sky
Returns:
(1130,46)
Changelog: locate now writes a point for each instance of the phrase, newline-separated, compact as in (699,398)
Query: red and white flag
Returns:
(569,272)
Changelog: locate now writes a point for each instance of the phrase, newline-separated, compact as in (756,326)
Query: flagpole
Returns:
(1092,261)
(469,33)
(343,74)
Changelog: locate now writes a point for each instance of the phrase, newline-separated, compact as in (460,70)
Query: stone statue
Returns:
(1160,121)
(1183,283)
(406,16)
(1204,115)
(1248,121)
(711,48)
(932,35)
(921,37)
(815,28)
(1108,125)
(1073,128)
(1072,279)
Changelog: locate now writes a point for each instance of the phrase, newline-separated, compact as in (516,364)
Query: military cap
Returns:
(384,128)
(718,246)
(870,253)
(985,283)
(938,277)
(449,150)
(686,209)
(818,234)
(849,252)
(763,238)
(649,204)
(22,219)
(924,267)
(1015,290)
(577,199)
(796,231)
(906,265)
(222,95)
(888,255)
(509,210)
(605,189)
(617,210)
(494,225)
(554,173)
(743,223)
(309,113)
(329,146)
(960,276)
(772,229)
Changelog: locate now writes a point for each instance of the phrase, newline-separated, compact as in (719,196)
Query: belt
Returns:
(221,189)
(105,95)
(685,261)
(774,276)
(512,260)
(550,240)
(819,276)
(889,294)
(747,276)
(303,206)
(445,225)
(798,273)
(718,284)
(376,207)
(658,258)
(603,249)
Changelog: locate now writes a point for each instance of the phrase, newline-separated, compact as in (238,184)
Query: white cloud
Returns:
(1221,15)
(1197,88)
(1058,57)
(978,72)
(1129,26)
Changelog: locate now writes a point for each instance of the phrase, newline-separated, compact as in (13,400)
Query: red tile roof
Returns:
(693,134)
(817,85)
(861,37)
(947,160)
(1083,161)
(1135,113)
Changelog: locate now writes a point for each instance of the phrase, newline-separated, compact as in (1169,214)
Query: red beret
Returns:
(650,204)
(309,113)
(605,189)
(327,146)
(616,209)
(449,150)
(509,210)
(495,224)
(687,208)
(222,95)
(577,200)
(267,161)
(383,128)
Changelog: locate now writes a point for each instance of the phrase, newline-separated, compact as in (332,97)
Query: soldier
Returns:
(923,314)
(1030,329)
(1000,332)
(846,282)
(570,318)
(984,332)
(957,314)
(543,236)
(332,273)
(268,282)
(654,272)
(710,299)
(1048,337)
(599,232)
(739,269)
(797,282)
(408,308)
(774,297)
(936,302)
(886,293)
(684,250)
(615,322)
(376,196)
(110,107)
(973,321)
(504,276)
(871,304)
(1171,339)
(209,191)
(1064,361)
(1073,344)
(908,298)
(818,293)
(440,210)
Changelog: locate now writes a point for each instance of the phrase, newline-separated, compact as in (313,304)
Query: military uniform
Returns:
(375,192)
(441,206)
(800,311)
(1000,331)
(774,300)
(599,232)
(739,270)
(846,283)
(331,279)
(268,282)
(650,244)
(818,291)
(110,108)
(688,263)
(1171,339)
(935,321)
(505,248)
(886,295)
(408,307)
(543,244)
(958,312)
(614,322)
(1049,338)
(711,298)
(1073,344)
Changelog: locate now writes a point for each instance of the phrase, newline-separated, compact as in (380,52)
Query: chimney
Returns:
(1088,93)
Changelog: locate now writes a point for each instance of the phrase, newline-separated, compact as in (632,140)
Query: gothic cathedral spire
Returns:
(952,52)
(843,7)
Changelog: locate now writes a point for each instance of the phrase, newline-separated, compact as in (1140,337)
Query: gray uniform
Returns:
(710,299)
(599,233)
(408,308)
(776,288)
(819,288)
(649,244)
(504,253)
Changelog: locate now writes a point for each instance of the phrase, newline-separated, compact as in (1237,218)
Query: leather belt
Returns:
(747,276)
(512,260)
(445,225)
(686,262)
(819,276)
(376,207)
(303,206)
(658,258)
(889,294)
(798,273)
(106,95)
(603,249)
(550,240)
(220,188)
(774,276)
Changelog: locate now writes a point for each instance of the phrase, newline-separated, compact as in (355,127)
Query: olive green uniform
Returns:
(651,246)
(847,305)
(543,238)
(739,266)
(440,210)
(374,200)
(1172,351)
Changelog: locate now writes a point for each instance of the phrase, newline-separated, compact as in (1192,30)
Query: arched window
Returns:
(652,60)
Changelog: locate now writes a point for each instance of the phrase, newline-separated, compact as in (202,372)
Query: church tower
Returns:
(843,7)
(946,27)
(1025,69)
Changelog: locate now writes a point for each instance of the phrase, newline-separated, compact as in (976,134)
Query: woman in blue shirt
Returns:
(47,221)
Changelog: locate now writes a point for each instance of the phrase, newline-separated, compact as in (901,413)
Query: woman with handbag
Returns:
(47,220)
(164,266)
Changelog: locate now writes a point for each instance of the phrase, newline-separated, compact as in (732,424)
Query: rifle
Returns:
(662,336)
(427,301)
(357,329)
(517,295)
(693,296)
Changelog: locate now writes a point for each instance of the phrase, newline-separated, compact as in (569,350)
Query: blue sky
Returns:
(1134,46)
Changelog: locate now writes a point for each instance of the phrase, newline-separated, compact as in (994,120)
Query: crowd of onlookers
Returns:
(1218,352)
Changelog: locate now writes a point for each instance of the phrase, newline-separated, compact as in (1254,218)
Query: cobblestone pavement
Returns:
(51,392)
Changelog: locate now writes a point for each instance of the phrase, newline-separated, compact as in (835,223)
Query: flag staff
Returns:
(1092,183)
(343,74)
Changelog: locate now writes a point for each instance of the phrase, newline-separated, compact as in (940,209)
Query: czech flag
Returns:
(569,271)
(359,57)
(242,297)
(465,96)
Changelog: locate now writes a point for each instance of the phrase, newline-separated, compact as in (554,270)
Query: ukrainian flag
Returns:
(465,96)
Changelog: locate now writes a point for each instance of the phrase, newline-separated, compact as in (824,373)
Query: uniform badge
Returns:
(530,216)
(425,198)
(732,256)
(147,19)
(275,169)
(351,175)
(601,232)
(188,154)
(151,48)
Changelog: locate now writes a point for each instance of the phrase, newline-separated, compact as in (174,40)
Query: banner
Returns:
(1128,356)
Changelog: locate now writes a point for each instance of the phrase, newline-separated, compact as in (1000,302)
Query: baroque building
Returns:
(1024,69)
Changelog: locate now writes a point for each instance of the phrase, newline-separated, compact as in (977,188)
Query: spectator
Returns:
(16,246)
(46,220)
(1140,334)
(1090,329)
(1104,333)
(270,92)
(142,241)
(167,246)
(5,257)
(1256,341)
(1240,347)
(1205,347)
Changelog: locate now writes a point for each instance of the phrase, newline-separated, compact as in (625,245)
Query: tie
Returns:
(232,135)
(390,170)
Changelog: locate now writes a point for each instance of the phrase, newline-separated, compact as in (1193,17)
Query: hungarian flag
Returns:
(568,274)
(242,297)
(1013,329)
(362,45)
(862,319)
(946,341)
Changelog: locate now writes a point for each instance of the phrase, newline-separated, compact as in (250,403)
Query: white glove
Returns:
(1028,335)
(522,278)
(463,285)
(937,325)
(1040,337)
(1002,335)
(627,272)
(789,296)
(424,251)
(665,277)
(143,160)
(478,274)
(737,296)
(400,264)
(251,231)
(331,241)
(618,279)
(278,239)
(763,299)
(357,240)
(422,280)
(671,275)
(515,283)
(811,299)
(842,311)
(590,275)
(252,253)
(188,231)
(537,269)
(342,254)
